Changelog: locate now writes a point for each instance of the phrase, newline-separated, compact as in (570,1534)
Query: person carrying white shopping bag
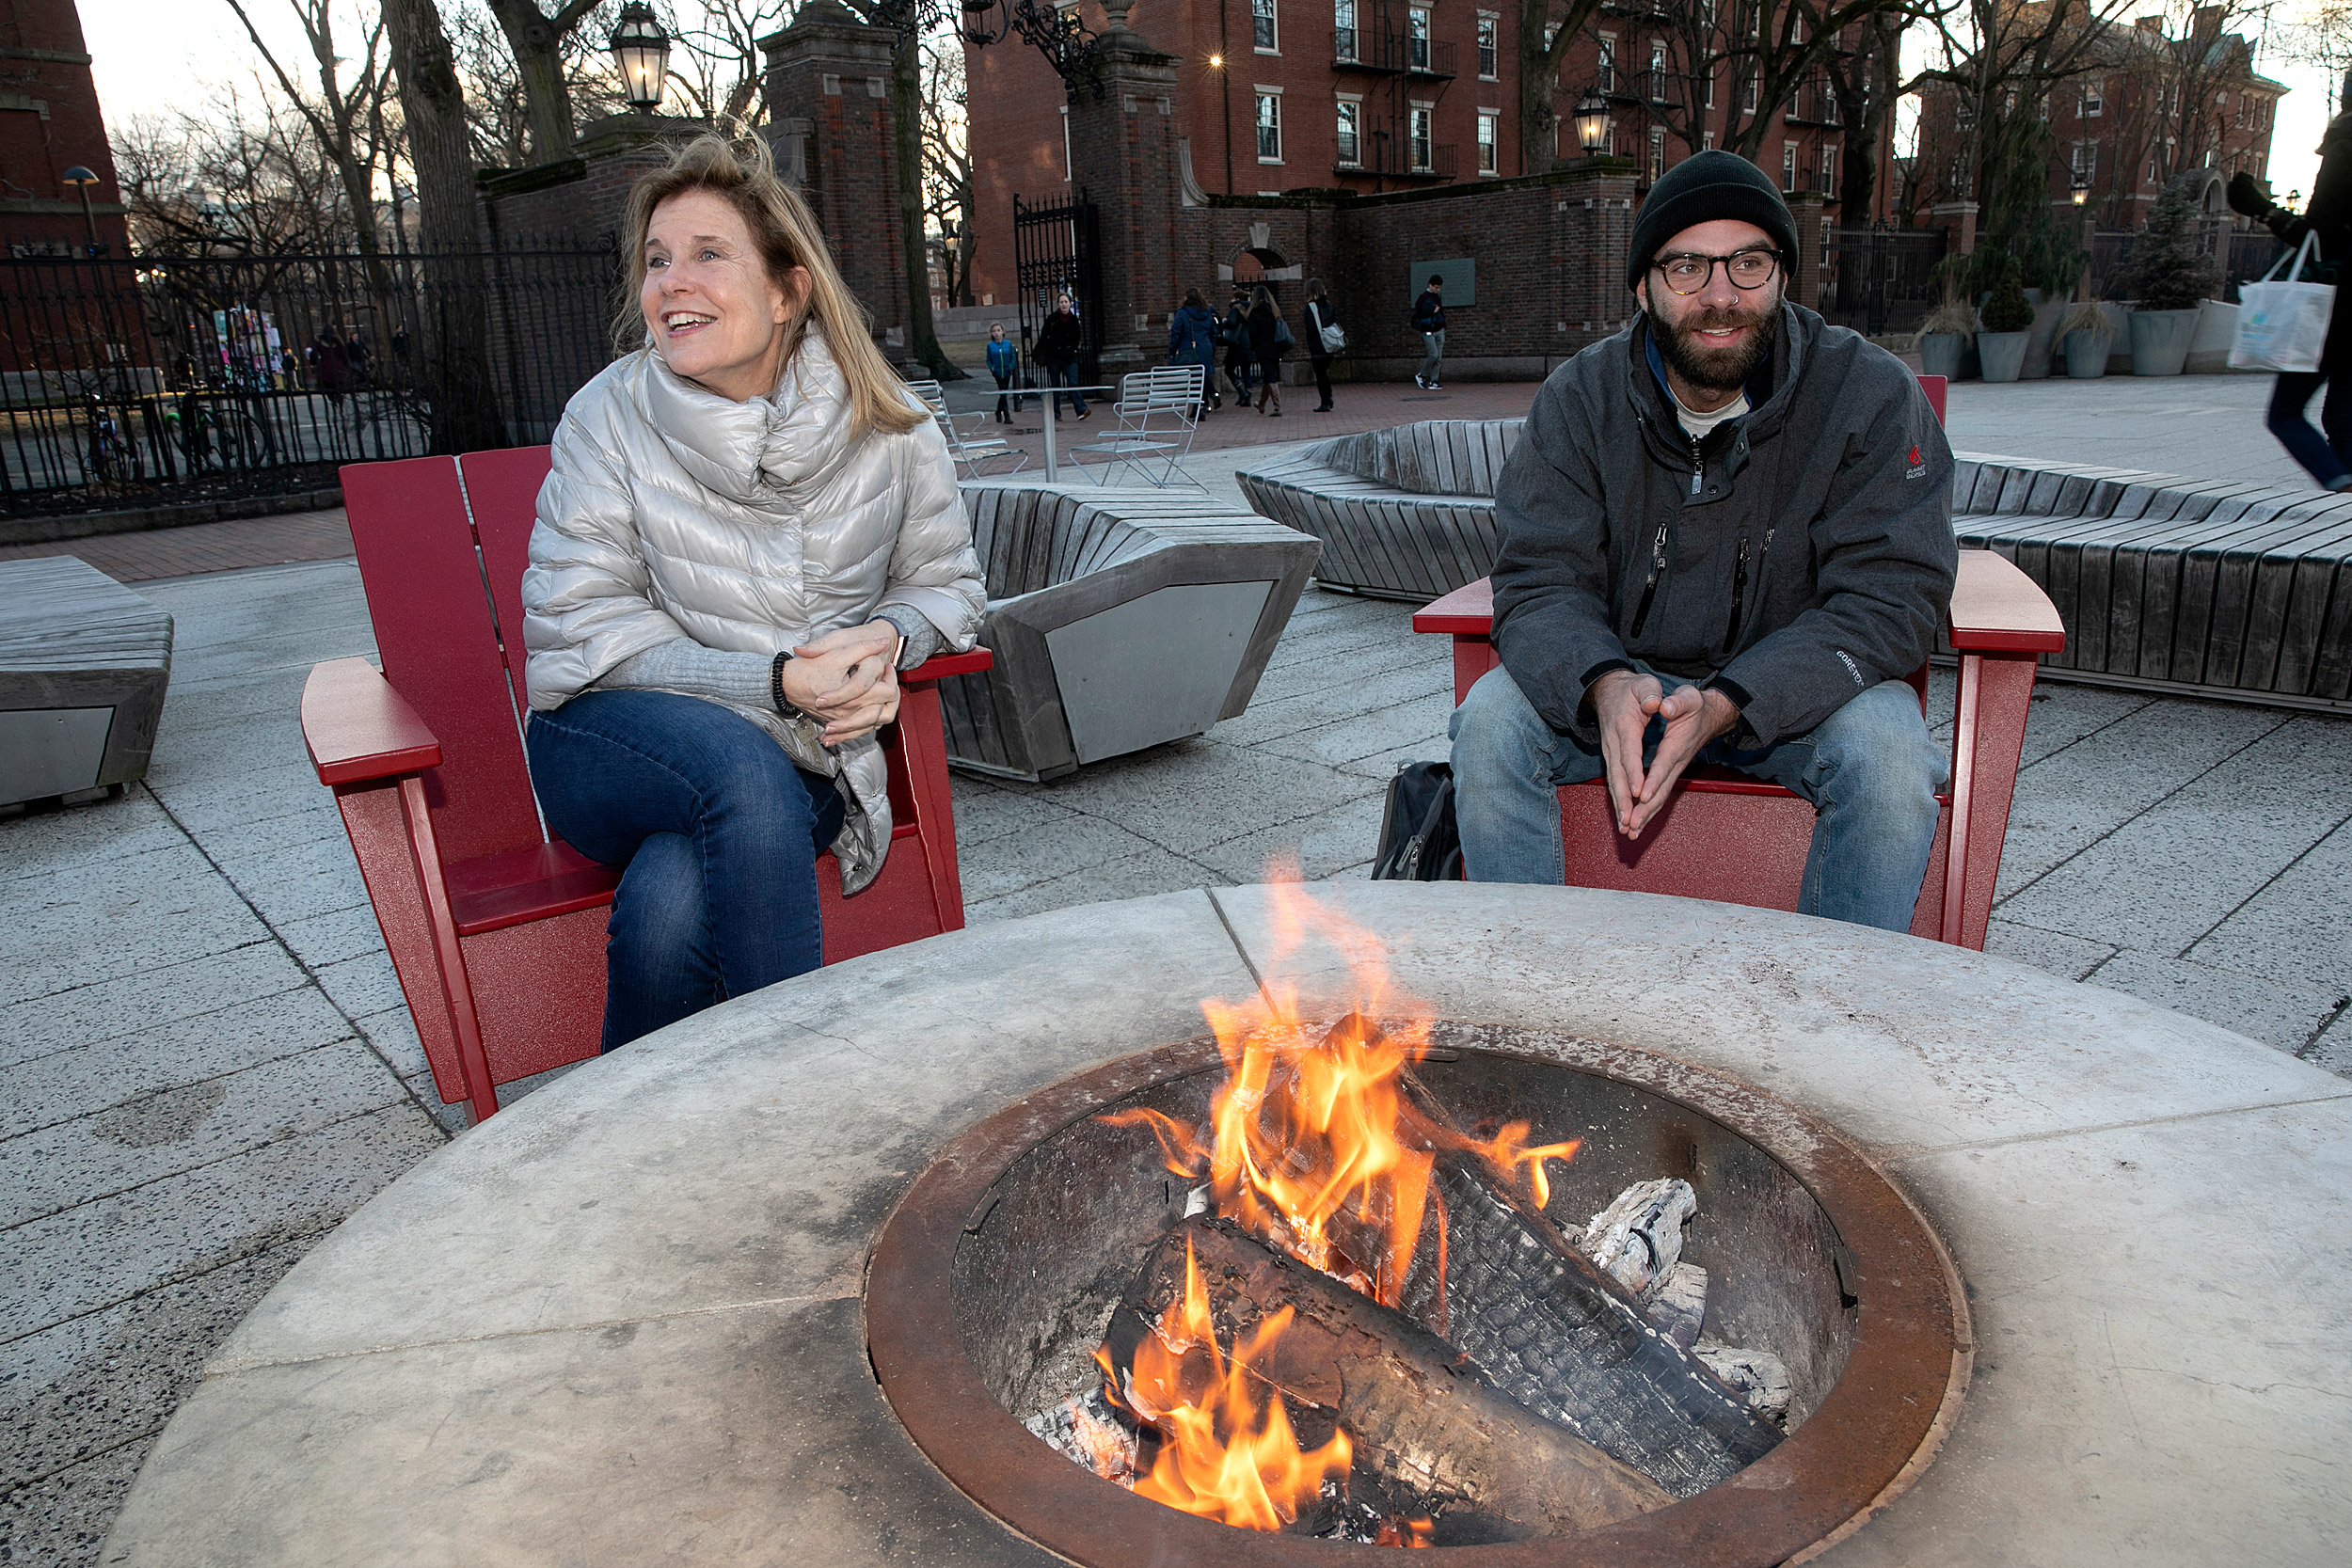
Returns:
(2282,324)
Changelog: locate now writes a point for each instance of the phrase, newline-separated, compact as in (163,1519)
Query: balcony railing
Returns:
(1393,53)
(1427,160)
(1814,102)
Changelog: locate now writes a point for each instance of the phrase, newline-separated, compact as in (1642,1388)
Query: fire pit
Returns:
(1007,1263)
(640,1316)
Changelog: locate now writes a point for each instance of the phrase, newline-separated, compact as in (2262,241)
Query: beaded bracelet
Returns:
(776,682)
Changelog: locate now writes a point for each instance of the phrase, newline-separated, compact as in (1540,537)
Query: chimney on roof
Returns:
(2206,24)
(2151,24)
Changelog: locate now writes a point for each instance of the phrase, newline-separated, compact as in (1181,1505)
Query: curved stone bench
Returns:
(1407,513)
(2212,587)
(621,1321)
(1118,623)
(84,665)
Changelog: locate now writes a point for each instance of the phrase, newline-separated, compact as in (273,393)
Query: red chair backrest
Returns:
(1934,386)
(421,567)
(502,492)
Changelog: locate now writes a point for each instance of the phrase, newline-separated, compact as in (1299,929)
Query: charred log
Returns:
(1416,1412)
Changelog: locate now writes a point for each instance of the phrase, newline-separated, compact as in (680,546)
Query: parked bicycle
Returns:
(113,455)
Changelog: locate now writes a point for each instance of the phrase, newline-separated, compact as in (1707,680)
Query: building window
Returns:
(1707,141)
(1787,165)
(1261,29)
(1065,144)
(1657,71)
(1351,134)
(1605,70)
(1657,153)
(1829,170)
(1486,140)
(1417,37)
(2086,162)
(1747,96)
(2094,99)
(1486,47)
(1343,29)
(1417,123)
(1270,127)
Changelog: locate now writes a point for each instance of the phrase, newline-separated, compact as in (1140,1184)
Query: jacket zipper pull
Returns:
(1699,467)
(1739,593)
(1649,589)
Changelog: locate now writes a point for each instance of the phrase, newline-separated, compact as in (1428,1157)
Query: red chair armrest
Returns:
(358,729)
(1997,609)
(943,665)
(1469,611)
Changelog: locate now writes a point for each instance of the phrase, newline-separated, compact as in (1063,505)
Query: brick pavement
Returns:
(178,552)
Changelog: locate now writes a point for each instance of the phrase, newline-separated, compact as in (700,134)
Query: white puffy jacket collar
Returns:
(797,434)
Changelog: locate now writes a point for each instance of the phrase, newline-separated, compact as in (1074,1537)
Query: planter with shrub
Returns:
(1943,339)
(2086,339)
(2007,328)
(2171,275)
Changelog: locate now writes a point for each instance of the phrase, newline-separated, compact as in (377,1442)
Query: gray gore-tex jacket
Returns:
(1797,557)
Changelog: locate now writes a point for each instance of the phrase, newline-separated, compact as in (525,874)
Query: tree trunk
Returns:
(464,410)
(906,111)
(538,50)
(1864,112)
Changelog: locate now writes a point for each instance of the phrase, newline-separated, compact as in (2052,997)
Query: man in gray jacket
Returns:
(1726,538)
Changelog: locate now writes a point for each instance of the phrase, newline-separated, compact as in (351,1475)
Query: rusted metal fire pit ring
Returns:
(1878,1427)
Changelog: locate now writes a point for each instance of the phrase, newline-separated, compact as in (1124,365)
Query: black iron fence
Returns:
(1880,279)
(2244,256)
(149,380)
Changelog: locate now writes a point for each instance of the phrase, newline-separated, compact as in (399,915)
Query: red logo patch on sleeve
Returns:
(1914,456)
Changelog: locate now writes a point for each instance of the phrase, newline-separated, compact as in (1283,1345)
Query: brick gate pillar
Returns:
(1122,155)
(828,91)
(1805,207)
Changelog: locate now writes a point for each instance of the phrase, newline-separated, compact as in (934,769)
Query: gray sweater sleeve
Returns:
(685,665)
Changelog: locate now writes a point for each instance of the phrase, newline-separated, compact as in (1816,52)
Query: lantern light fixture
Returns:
(1592,121)
(642,51)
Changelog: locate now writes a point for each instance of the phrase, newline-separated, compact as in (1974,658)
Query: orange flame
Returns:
(1407,1532)
(1313,1146)
(1227,1451)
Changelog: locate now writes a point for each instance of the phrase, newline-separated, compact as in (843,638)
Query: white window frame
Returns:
(1829,169)
(1274,27)
(1605,63)
(1657,152)
(1425,117)
(1747,99)
(1423,18)
(1656,69)
(1707,141)
(1347,28)
(1344,104)
(1490,143)
(1066,160)
(2093,102)
(1787,167)
(1262,96)
(1489,46)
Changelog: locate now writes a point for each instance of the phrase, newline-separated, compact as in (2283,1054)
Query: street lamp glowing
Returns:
(642,51)
(82,180)
(1216,62)
(1592,121)
(2082,190)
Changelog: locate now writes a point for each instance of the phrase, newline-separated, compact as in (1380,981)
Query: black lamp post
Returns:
(642,51)
(82,180)
(2082,203)
(1592,121)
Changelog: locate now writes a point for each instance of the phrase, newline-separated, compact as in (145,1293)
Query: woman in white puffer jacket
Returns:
(751,527)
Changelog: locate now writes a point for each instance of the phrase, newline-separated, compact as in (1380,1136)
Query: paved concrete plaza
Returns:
(208,1065)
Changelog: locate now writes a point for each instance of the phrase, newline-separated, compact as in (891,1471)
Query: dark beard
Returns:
(1718,370)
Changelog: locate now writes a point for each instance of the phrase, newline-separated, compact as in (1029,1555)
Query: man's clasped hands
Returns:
(1623,701)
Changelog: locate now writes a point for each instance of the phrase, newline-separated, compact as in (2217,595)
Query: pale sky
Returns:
(152,54)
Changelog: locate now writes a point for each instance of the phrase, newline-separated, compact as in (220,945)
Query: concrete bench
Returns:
(1407,513)
(84,665)
(1116,623)
(2220,588)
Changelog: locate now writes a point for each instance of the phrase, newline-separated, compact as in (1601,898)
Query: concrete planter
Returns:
(2209,345)
(1940,354)
(2160,341)
(2003,353)
(2042,341)
(2119,319)
(2086,353)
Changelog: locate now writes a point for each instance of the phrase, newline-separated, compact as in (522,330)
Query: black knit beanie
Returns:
(1700,189)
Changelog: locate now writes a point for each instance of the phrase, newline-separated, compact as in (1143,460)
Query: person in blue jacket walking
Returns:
(1192,341)
(1004,363)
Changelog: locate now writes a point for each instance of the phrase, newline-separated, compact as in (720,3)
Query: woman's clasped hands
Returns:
(847,680)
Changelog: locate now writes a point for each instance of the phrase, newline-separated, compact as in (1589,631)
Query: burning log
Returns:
(1417,1416)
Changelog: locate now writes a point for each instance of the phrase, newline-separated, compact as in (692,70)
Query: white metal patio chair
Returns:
(1158,413)
(971,452)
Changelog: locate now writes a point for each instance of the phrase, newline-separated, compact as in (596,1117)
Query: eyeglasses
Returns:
(1747,269)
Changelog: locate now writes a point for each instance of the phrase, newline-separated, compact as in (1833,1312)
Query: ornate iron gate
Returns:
(1055,253)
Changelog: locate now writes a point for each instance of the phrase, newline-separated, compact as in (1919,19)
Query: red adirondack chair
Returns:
(497,928)
(1738,839)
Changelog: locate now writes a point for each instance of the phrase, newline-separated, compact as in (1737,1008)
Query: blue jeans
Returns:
(719,831)
(1870,769)
(2327,458)
(1066,374)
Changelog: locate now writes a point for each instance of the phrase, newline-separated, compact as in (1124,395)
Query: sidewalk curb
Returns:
(88,525)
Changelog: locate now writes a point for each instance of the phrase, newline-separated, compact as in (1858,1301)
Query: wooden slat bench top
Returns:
(57,612)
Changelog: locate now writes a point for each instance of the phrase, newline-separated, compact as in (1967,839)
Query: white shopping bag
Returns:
(2283,326)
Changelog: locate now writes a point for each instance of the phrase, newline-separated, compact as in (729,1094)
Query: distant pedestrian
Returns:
(2328,214)
(356,356)
(1192,341)
(1429,321)
(1238,359)
(1269,338)
(1058,342)
(289,369)
(1324,338)
(1004,363)
(329,366)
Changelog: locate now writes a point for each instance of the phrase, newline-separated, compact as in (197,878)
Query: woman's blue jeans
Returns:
(719,832)
(1065,373)
(1870,769)
(2327,458)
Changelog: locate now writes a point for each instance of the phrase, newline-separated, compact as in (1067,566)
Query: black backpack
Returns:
(1419,839)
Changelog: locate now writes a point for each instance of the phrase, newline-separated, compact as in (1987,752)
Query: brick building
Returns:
(50,123)
(2145,107)
(1274,97)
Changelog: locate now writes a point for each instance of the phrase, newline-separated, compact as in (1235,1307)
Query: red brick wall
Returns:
(49,122)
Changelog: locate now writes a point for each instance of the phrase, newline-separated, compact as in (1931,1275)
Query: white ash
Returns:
(1065,1427)
(1639,1237)
(1677,1303)
(1759,1375)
